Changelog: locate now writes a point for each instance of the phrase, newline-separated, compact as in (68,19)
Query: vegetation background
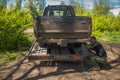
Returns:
(14,20)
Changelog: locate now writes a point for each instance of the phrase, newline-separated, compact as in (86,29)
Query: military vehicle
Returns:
(60,35)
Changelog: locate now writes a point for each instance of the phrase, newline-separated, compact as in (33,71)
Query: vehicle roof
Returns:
(60,7)
(57,5)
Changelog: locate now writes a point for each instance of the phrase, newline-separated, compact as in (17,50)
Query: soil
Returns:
(38,70)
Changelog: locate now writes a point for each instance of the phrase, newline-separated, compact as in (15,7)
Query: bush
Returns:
(107,36)
(12,25)
(106,23)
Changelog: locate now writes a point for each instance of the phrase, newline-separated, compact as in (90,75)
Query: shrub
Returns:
(12,25)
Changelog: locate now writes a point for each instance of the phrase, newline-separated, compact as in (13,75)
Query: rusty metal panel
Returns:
(75,35)
(69,24)
(65,27)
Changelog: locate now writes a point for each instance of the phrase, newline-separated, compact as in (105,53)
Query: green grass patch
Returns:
(7,56)
(11,55)
(106,36)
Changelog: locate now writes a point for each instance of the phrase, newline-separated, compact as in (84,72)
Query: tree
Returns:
(79,9)
(12,25)
(3,4)
(18,4)
(62,3)
(34,7)
(101,7)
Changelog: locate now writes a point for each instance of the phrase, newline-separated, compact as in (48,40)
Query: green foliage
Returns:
(12,25)
(11,56)
(105,25)
(3,4)
(113,36)
(107,36)
(97,33)
(7,56)
(24,43)
(106,28)
(18,4)
(101,7)
(79,9)
(34,7)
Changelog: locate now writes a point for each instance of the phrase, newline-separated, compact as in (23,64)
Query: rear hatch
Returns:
(71,28)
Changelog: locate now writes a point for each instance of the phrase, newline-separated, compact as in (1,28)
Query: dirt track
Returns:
(24,70)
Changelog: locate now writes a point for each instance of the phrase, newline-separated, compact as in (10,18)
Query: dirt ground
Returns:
(24,70)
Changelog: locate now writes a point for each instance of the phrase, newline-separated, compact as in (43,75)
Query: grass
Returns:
(8,56)
(107,36)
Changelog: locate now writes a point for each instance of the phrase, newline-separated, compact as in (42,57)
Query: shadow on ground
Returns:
(62,68)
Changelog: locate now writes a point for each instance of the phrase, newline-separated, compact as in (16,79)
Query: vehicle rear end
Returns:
(60,35)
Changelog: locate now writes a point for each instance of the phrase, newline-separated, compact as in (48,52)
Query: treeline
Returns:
(105,25)
(14,19)
(102,18)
